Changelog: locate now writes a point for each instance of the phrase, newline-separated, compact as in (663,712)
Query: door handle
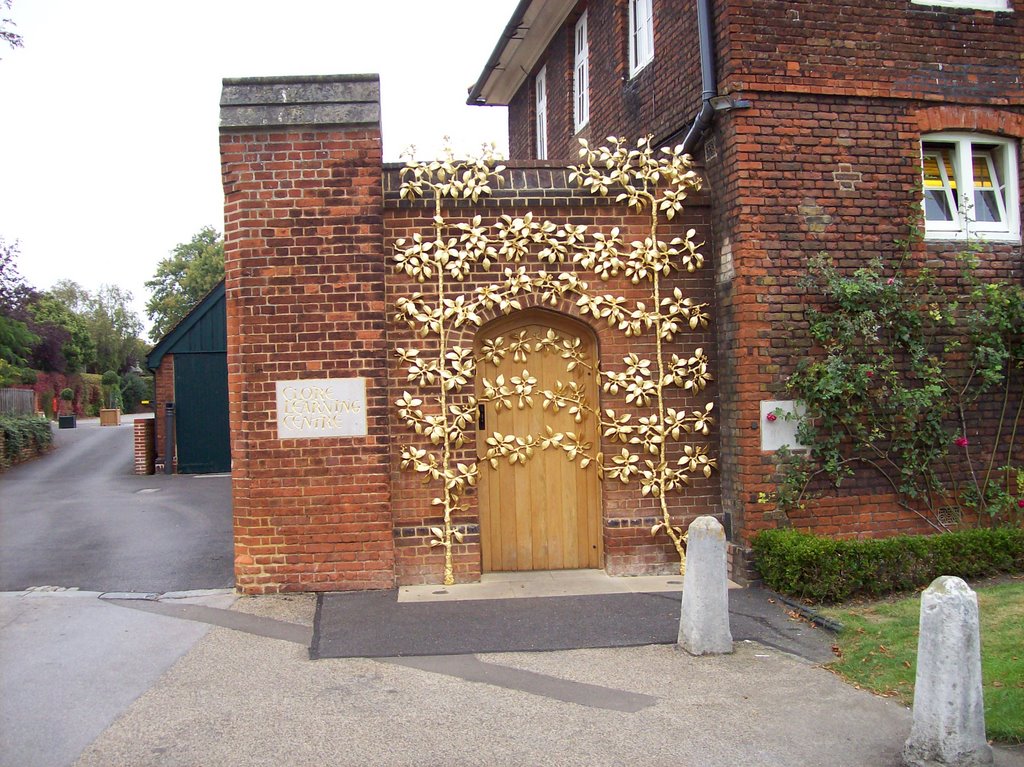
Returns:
(480,416)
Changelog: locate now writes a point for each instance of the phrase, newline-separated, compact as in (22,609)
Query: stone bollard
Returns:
(704,618)
(949,716)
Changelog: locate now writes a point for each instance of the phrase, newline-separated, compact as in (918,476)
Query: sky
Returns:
(109,114)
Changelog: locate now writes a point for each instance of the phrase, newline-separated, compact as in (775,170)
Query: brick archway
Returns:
(974,119)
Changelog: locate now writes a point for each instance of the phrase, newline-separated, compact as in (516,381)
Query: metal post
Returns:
(168,438)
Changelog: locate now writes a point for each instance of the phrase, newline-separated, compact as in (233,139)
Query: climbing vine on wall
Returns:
(441,372)
(913,383)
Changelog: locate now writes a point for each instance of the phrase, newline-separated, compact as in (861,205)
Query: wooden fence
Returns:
(17,402)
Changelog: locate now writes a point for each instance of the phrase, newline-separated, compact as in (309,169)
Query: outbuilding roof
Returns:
(204,329)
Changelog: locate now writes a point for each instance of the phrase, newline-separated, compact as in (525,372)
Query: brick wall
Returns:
(543,188)
(871,49)
(522,135)
(793,176)
(305,293)
(657,100)
(27,453)
(311,224)
(826,158)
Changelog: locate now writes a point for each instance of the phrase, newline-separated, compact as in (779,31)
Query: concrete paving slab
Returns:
(543,583)
(239,699)
(71,663)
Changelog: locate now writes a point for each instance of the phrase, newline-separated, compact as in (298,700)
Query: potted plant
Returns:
(111,414)
(66,419)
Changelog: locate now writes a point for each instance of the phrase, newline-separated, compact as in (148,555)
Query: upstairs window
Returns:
(970,187)
(641,34)
(540,85)
(581,76)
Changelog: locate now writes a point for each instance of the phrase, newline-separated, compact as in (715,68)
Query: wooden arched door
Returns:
(543,513)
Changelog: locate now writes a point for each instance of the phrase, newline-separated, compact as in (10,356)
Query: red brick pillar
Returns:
(163,391)
(143,437)
(301,162)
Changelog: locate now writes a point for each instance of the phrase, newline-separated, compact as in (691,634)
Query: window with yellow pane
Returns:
(970,187)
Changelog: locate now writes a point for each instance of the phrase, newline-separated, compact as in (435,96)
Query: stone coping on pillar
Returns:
(300,101)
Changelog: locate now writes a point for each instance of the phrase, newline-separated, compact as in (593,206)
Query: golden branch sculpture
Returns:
(657,182)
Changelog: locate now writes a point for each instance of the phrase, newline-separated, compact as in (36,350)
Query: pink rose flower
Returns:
(771,417)
(961,441)
(1020,503)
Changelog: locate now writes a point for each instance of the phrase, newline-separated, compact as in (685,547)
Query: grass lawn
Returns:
(878,651)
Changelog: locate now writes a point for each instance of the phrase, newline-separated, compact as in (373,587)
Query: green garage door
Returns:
(201,413)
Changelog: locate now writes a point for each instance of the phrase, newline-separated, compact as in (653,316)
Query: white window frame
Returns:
(641,34)
(540,86)
(1003,166)
(581,75)
(976,5)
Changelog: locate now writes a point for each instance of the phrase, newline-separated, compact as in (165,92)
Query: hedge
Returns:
(22,437)
(828,570)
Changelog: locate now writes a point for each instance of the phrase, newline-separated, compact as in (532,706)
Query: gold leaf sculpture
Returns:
(643,179)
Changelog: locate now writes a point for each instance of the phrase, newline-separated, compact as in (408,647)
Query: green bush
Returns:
(134,389)
(828,570)
(91,394)
(21,433)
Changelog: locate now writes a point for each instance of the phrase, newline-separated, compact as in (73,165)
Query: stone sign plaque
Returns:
(327,407)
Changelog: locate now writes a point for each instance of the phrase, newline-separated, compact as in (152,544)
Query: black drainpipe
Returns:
(708,81)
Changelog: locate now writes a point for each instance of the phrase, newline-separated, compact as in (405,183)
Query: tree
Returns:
(65,345)
(15,342)
(16,339)
(72,295)
(193,270)
(113,326)
(14,291)
(6,34)
(115,329)
(66,329)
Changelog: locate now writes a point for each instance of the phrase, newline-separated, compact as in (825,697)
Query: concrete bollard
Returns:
(949,715)
(704,618)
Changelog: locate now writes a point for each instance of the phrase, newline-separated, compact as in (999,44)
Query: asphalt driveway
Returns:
(79,518)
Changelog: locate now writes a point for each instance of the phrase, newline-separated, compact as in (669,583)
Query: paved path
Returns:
(97,680)
(247,700)
(77,517)
(72,663)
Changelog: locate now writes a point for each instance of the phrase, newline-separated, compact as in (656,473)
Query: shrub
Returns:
(91,395)
(828,570)
(134,389)
(111,383)
(22,436)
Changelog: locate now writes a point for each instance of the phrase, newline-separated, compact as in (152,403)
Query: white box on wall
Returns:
(780,431)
